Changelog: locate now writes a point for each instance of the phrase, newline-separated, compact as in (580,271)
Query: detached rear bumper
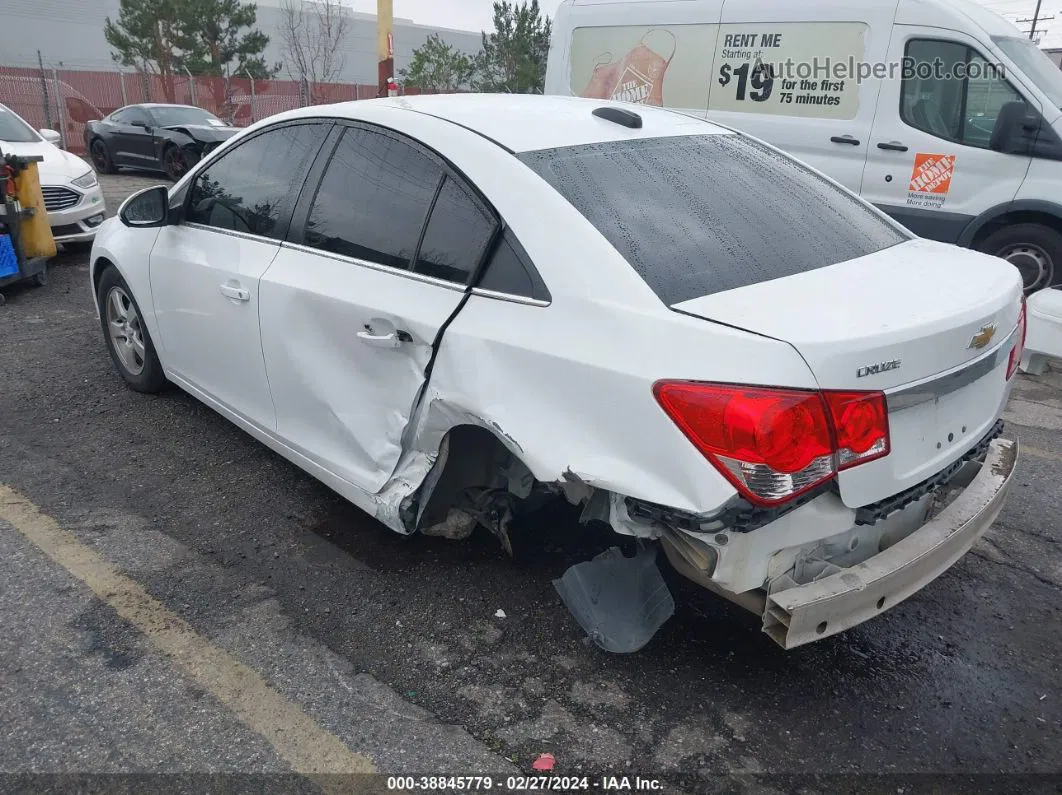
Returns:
(805,613)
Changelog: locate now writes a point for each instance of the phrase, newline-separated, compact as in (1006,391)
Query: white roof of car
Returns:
(527,122)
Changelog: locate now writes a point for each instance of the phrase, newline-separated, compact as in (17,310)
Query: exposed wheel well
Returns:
(1018,217)
(477,479)
(470,457)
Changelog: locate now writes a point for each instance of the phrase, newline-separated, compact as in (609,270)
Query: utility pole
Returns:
(385,43)
(1036,19)
(44,91)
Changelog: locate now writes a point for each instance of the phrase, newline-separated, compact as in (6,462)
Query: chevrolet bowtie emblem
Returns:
(983,337)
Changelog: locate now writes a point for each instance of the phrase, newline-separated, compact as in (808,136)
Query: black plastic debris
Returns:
(620,602)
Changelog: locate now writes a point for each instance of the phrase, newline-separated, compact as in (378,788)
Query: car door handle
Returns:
(235,293)
(845,139)
(389,340)
(892,146)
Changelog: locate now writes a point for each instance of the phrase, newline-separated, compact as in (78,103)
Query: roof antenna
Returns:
(619,116)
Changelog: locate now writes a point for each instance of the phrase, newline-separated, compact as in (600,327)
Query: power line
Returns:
(1036,18)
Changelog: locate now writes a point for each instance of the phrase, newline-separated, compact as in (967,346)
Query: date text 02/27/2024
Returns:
(523,784)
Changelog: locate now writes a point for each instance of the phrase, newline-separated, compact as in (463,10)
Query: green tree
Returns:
(146,37)
(514,56)
(438,66)
(217,34)
(206,37)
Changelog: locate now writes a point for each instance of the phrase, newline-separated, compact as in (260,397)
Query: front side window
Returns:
(952,92)
(700,214)
(131,116)
(252,188)
(374,199)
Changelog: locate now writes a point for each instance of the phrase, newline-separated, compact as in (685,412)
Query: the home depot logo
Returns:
(930,180)
(932,173)
(633,86)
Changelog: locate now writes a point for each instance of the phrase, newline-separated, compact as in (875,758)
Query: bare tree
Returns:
(314,34)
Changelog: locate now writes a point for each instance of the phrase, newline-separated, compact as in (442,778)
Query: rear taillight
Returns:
(1019,346)
(775,444)
(861,425)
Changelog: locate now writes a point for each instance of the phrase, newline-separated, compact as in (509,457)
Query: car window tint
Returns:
(252,188)
(134,116)
(510,271)
(457,235)
(952,92)
(701,214)
(373,200)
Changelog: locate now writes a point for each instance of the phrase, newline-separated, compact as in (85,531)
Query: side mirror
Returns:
(1021,130)
(51,136)
(147,208)
(141,124)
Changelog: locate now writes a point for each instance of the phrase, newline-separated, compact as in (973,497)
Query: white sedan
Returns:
(72,194)
(450,309)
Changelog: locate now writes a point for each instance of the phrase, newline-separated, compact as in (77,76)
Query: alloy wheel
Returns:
(99,155)
(126,332)
(174,163)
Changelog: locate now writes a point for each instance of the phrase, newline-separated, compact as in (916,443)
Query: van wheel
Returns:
(1035,250)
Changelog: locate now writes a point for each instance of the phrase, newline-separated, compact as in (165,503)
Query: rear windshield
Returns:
(696,215)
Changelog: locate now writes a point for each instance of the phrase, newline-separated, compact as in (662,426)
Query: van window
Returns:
(954,93)
(701,214)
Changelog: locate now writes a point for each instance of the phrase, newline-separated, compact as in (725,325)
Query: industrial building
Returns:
(69,34)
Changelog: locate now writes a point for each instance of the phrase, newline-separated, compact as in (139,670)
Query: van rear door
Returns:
(929,165)
(814,108)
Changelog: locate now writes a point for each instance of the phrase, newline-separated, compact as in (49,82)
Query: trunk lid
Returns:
(927,323)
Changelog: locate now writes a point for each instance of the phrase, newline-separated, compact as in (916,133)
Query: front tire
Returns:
(127,337)
(177,161)
(1035,250)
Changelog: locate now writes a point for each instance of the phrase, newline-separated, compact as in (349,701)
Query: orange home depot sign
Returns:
(932,174)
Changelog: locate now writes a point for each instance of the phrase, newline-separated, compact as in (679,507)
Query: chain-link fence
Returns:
(65,99)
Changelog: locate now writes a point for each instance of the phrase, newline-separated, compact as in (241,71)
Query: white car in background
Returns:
(452,308)
(72,194)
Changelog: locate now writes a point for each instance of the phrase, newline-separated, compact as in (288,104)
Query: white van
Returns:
(938,111)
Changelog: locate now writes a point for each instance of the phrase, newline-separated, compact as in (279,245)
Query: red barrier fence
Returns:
(64,99)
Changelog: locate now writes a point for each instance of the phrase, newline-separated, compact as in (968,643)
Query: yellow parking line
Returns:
(1044,454)
(297,738)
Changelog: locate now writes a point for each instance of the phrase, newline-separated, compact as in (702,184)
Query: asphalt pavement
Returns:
(175,598)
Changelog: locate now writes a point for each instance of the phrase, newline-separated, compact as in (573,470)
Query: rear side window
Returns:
(456,237)
(374,199)
(510,271)
(701,214)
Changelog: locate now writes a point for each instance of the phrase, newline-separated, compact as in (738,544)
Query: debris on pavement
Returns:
(544,762)
(620,602)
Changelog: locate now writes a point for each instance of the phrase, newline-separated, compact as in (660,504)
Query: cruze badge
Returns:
(982,337)
(877,369)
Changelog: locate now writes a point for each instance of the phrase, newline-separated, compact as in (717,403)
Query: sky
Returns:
(477,14)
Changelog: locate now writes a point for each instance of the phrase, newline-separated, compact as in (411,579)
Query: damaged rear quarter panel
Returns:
(568,389)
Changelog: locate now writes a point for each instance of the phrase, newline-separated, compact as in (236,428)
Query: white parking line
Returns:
(297,738)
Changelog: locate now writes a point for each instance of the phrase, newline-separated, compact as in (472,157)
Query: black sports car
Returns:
(168,138)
